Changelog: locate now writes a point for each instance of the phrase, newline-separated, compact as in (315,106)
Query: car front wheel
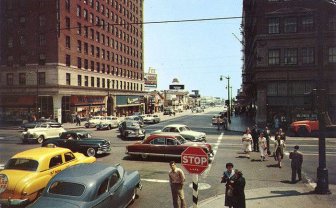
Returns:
(303,132)
(40,139)
(91,152)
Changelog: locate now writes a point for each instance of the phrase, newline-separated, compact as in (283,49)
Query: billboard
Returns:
(150,81)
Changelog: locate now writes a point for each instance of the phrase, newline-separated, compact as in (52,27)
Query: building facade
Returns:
(63,57)
(289,50)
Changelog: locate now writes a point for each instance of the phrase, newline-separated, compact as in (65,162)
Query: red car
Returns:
(169,145)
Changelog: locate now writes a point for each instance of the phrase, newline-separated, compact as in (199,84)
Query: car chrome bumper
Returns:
(103,150)
(14,202)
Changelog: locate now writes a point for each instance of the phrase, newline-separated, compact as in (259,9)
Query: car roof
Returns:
(87,174)
(175,125)
(75,131)
(40,152)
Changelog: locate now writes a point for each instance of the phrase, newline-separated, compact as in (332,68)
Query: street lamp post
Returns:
(228,88)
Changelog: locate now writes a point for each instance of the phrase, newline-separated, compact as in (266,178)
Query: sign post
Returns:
(195,161)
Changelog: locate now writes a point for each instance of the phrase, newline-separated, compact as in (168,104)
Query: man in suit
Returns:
(296,164)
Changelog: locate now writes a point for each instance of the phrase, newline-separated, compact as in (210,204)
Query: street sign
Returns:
(194,160)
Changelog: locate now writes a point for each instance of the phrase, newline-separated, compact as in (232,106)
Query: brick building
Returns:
(62,57)
(289,50)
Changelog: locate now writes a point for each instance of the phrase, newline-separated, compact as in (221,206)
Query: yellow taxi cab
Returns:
(27,173)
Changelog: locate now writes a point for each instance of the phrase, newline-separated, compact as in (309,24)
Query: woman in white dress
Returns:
(247,142)
(262,142)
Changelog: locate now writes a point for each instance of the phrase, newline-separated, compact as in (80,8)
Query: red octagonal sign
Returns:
(194,160)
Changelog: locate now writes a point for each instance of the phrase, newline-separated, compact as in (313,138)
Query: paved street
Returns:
(266,183)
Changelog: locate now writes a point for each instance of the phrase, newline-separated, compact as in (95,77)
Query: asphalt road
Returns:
(227,145)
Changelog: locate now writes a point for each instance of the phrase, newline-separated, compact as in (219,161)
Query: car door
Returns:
(157,147)
(102,197)
(172,148)
(118,194)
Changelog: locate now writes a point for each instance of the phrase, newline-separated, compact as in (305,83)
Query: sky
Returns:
(196,53)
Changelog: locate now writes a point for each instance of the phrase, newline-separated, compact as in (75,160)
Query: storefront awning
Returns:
(129,105)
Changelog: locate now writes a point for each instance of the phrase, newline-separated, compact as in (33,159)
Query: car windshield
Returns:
(181,139)
(66,188)
(184,128)
(22,164)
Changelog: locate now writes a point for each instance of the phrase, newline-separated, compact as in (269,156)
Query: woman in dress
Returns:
(279,146)
(262,146)
(228,179)
(247,142)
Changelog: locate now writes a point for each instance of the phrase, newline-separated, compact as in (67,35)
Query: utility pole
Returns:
(228,88)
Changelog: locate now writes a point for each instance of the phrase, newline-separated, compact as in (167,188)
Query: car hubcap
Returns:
(40,140)
(91,152)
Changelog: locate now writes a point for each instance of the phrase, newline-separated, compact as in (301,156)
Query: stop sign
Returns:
(194,160)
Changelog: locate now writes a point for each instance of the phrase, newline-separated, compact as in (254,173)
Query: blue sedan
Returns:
(90,185)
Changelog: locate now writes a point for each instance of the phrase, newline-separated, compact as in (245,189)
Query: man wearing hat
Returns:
(296,164)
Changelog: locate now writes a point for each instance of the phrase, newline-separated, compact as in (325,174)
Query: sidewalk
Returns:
(297,195)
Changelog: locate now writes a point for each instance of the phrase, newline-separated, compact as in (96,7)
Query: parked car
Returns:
(130,129)
(152,118)
(80,141)
(214,120)
(306,128)
(139,119)
(93,121)
(27,173)
(32,124)
(91,185)
(108,122)
(168,145)
(185,131)
(169,111)
(42,132)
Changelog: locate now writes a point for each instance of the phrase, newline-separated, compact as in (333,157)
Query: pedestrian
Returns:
(176,180)
(218,121)
(262,143)
(281,134)
(278,152)
(238,190)
(276,122)
(225,123)
(255,134)
(228,179)
(247,142)
(296,164)
(78,122)
(267,135)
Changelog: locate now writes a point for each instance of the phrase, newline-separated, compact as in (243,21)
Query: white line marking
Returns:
(2,137)
(214,148)
(155,180)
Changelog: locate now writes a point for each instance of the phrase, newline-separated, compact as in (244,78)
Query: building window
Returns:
(91,34)
(86,64)
(308,23)
(91,18)
(98,67)
(290,25)
(92,82)
(92,50)
(67,5)
(97,6)
(79,28)
(79,46)
(22,78)
(42,59)
(98,82)
(86,81)
(22,40)
(79,9)
(67,23)
(290,56)
(86,48)
(332,55)
(10,42)
(103,83)
(42,40)
(67,42)
(273,25)
(86,31)
(332,22)
(274,57)
(41,78)
(42,20)
(79,78)
(85,14)
(10,81)
(97,52)
(68,78)
(67,60)
(23,60)
(92,65)
(79,63)
(308,55)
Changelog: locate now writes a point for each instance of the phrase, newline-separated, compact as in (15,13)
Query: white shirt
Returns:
(176,176)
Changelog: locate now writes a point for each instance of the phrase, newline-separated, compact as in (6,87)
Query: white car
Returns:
(108,122)
(185,131)
(93,121)
(151,118)
(42,132)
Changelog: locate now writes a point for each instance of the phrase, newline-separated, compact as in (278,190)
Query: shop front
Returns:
(129,104)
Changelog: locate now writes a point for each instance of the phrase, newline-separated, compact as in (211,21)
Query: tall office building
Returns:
(63,57)
(289,50)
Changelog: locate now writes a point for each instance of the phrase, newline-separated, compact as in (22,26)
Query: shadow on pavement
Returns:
(286,193)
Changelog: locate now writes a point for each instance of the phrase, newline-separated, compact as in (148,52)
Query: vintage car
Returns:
(169,111)
(168,145)
(91,185)
(138,119)
(32,124)
(42,132)
(27,173)
(80,141)
(215,119)
(307,127)
(93,121)
(151,118)
(185,131)
(131,129)
(108,122)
